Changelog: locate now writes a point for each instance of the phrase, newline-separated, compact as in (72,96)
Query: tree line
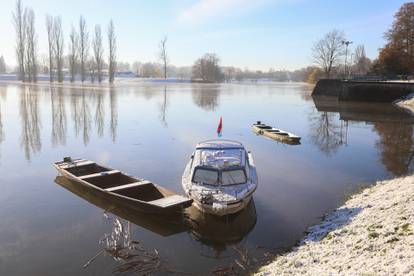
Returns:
(79,61)
(395,60)
(333,56)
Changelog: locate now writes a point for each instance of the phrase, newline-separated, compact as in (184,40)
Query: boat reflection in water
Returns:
(217,233)
(161,225)
(226,229)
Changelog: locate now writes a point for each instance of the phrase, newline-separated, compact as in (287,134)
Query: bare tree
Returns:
(2,65)
(328,51)
(19,20)
(31,41)
(163,55)
(112,51)
(83,47)
(51,45)
(73,53)
(98,52)
(207,69)
(150,70)
(362,63)
(58,40)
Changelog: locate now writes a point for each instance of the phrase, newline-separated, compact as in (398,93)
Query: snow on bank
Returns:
(407,103)
(371,234)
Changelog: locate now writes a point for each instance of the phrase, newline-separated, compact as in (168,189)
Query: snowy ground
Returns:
(407,103)
(371,234)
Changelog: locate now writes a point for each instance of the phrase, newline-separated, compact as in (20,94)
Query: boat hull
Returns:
(287,139)
(228,210)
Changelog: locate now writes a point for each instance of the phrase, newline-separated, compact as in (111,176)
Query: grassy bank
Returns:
(371,234)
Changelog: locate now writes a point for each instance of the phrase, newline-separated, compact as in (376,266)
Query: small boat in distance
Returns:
(140,194)
(275,134)
(220,177)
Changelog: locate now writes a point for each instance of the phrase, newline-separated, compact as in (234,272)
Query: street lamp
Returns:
(346,43)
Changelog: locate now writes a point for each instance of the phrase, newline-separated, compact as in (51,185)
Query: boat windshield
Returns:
(229,177)
(205,176)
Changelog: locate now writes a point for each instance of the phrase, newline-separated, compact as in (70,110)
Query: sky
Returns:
(254,34)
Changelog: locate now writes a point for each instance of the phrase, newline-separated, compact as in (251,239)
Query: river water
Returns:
(51,227)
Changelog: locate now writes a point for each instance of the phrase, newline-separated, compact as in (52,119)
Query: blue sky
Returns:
(257,34)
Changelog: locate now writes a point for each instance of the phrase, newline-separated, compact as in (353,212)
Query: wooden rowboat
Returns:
(275,134)
(140,194)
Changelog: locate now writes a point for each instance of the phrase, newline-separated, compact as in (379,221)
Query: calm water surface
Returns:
(46,228)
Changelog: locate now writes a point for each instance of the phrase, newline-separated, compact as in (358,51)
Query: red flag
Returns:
(220,127)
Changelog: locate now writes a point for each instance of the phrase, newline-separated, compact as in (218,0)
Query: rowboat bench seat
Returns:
(98,174)
(128,186)
(170,201)
(76,163)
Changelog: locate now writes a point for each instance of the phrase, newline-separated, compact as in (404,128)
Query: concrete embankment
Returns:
(363,91)
(371,234)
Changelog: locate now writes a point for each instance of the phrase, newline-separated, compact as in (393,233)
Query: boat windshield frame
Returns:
(219,174)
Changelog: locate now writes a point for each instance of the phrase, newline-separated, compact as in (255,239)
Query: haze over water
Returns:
(150,130)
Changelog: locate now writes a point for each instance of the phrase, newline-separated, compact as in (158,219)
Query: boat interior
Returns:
(278,132)
(263,126)
(88,168)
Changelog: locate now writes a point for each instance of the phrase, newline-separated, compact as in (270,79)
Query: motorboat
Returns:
(220,177)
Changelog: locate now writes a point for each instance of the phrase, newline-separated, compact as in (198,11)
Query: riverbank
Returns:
(407,103)
(372,233)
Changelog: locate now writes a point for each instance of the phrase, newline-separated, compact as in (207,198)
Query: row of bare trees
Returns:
(26,42)
(78,57)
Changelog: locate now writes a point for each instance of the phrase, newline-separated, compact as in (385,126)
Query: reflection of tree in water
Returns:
(30,121)
(327,132)
(99,113)
(396,146)
(75,106)
(3,92)
(59,121)
(2,97)
(114,113)
(206,97)
(163,108)
(2,136)
(81,115)
(147,91)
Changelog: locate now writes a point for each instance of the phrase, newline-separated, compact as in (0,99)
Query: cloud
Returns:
(205,10)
